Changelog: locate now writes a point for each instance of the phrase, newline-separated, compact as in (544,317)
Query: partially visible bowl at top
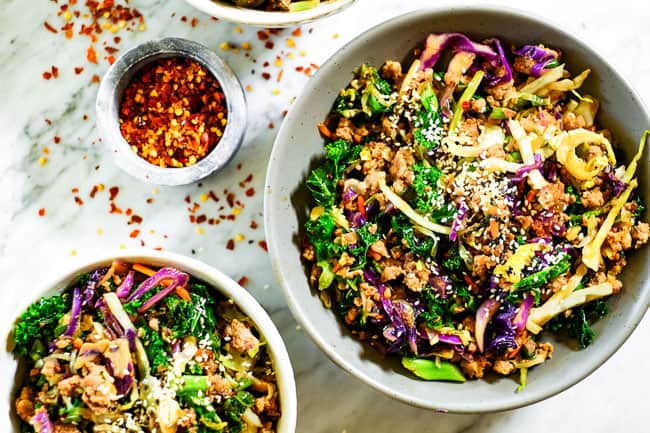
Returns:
(227,10)
(298,146)
(110,97)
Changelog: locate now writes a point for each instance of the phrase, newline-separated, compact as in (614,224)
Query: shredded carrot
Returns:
(336,267)
(515,351)
(470,282)
(531,196)
(143,269)
(182,292)
(324,130)
(357,138)
(374,254)
(362,206)
(77,343)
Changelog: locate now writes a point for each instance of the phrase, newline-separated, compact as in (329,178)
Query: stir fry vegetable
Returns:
(465,207)
(132,349)
(278,5)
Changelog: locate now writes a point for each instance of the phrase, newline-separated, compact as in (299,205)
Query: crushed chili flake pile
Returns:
(95,19)
(173,112)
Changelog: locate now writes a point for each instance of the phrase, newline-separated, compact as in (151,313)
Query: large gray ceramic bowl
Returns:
(286,205)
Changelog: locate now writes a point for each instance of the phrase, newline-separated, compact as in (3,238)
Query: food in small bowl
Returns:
(464,207)
(448,232)
(278,5)
(171,111)
(132,347)
(271,13)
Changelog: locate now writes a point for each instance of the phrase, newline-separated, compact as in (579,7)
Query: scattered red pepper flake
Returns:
(297,32)
(91,55)
(112,192)
(55,71)
(269,45)
(266,75)
(201,219)
(135,219)
(78,70)
(75,190)
(230,198)
(250,192)
(47,75)
(230,245)
(195,21)
(41,212)
(254,225)
(49,27)
(134,234)
(263,245)
(78,200)
(57,139)
(243,281)
(95,79)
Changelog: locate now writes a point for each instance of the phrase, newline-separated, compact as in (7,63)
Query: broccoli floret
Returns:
(38,326)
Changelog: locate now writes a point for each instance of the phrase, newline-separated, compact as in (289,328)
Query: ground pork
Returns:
(469,128)
(640,234)
(371,181)
(390,270)
(478,105)
(552,196)
(219,386)
(592,198)
(401,170)
(379,248)
(99,390)
(268,404)
(308,252)
(392,71)
(500,94)
(458,66)
(523,64)
(482,265)
(25,404)
(345,129)
(65,428)
(619,239)
(242,339)
(70,387)
(503,367)
(475,369)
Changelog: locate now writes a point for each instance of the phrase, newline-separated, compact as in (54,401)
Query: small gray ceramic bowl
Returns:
(286,208)
(110,96)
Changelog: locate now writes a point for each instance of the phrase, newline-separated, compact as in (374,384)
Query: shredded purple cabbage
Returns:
(41,422)
(526,168)
(91,285)
(77,301)
(541,56)
(126,286)
(356,219)
(454,340)
(503,330)
(618,186)
(549,170)
(439,282)
(457,222)
(436,43)
(177,277)
(506,75)
(348,194)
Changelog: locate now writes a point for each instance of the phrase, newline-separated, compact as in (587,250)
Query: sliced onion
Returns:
(483,316)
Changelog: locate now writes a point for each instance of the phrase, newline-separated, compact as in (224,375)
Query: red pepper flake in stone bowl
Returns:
(173,112)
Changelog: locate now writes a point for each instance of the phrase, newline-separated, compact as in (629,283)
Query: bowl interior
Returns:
(298,145)
(118,78)
(220,282)
(255,17)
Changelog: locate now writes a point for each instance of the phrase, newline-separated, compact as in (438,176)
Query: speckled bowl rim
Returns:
(283,276)
(220,282)
(108,100)
(253,17)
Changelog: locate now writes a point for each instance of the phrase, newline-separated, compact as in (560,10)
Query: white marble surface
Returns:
(613,399)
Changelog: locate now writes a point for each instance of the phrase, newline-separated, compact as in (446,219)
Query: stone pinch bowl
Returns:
(299,145)
(226,10)
(109,98)
(197,269)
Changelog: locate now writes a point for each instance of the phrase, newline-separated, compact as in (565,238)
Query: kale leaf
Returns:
(38,325)
(319,232)
(403,228)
